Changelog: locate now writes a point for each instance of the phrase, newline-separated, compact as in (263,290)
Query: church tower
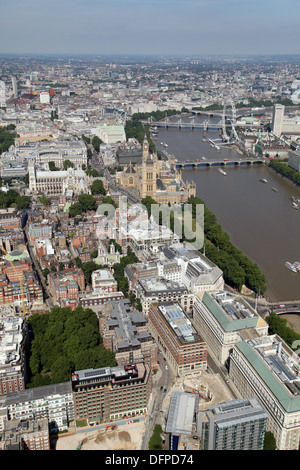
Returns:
(32,178)
(149,172)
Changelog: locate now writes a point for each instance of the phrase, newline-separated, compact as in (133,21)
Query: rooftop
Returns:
(277,366)
(231,311)
(179,322)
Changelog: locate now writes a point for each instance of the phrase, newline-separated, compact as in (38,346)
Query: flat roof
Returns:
(277,366)
(179,322)
(232,312)
(181,413)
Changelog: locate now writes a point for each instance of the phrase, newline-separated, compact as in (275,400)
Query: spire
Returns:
(145,148)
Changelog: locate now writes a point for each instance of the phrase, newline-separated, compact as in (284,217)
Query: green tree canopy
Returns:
(97,187)
(63,341)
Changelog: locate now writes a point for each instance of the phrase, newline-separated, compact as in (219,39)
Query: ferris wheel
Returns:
(229,120)
(296,96)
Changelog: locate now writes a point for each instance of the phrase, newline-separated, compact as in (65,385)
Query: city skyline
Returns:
(165,27)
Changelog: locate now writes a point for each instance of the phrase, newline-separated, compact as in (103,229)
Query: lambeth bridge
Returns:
(203,164)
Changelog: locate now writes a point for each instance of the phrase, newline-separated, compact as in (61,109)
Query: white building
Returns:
(52,183)
(267,368)
(197,272)
(282,124)
(2,94)
(222,319)
(44,97)
(54,402)
(14,86)
(112,134)
(103,281)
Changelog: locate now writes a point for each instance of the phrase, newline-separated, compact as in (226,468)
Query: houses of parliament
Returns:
(157,179)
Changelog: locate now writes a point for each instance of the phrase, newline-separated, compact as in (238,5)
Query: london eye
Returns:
(229,121)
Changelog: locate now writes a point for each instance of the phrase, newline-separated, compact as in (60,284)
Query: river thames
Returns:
(261,222)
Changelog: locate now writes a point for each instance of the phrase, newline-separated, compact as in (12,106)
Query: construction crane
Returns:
(18,276)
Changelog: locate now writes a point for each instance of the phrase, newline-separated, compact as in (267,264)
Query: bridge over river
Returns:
(207,163)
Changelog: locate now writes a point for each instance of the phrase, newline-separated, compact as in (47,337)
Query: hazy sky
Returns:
(186,27)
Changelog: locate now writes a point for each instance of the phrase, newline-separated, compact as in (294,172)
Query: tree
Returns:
(92,172)
(96,142)
(155,442)
(109,200)
(94,254)
(88,202)
(75,209)
(44,200)
(97,187)
(68,164)
(52,166)
(23,202)
(65,340)
(270,441)
(45,272)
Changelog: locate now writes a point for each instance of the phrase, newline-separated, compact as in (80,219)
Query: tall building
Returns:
(294,160)
(277,119)
(234,425)
(149,172)
(125,331)
(25,435)
(284,124)
(223,319)
(184,348)
(267,368)
(13,334)
(111,393)
(158,179)
(2,94)
(14,86)
(54,402)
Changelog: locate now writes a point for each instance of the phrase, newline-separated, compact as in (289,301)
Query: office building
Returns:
(112,134)
(14,86)
(181,425)
(294,160)
(223,319)
(103,281)
(282,123)
(125,331)
(111,393)
(198,273)
(25,435)
(234,425)
(53,402)
(267,368)
(160,289)
(13,335)
(184,349)
(2,94)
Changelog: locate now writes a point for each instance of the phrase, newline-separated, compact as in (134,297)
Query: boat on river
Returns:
(297,265)
(222,171)
(263,180)
(274,189)
(290,266)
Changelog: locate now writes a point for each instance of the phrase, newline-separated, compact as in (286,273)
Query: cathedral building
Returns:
(157,179)
(63,182)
